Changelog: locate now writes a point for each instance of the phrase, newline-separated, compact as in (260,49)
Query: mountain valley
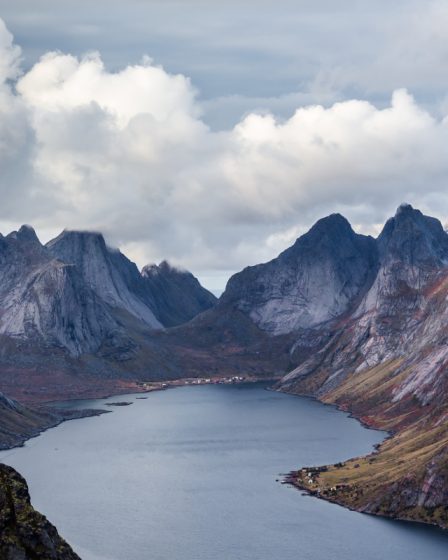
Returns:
(353,321)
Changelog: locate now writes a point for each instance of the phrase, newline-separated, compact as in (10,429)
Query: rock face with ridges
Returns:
(176,294)
(399,315)
(316,280)
(45,300)
(54,305)
(107,272)
(414,239)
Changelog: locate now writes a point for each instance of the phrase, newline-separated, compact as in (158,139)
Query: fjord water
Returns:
(190,474)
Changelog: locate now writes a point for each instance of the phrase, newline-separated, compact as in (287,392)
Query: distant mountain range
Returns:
(355,321)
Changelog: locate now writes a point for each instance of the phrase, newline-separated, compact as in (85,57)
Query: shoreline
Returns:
(296,479)
(332,495)
(145,387)
(141,388)
(350,414)
(60,417)
(290,479)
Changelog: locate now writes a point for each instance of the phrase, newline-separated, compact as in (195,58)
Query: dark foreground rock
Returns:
(25,533)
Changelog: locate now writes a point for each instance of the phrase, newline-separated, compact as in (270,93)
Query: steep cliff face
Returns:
(44,300)
(176,294)
(316,280)
(160,296)
(107,272)
(25,534)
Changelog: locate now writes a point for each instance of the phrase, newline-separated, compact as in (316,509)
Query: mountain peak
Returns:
(78,237)
(406,213)
(331,223)
(28,233)
(183,296)
(111,275)
(164,267)
(25,233)
(328,234)
(414,238)
(314,281)
(404,209)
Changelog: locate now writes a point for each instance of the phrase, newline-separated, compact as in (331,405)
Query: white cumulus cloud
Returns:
(127,152)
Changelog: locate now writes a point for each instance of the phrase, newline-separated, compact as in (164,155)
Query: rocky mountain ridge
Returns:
(178,296)
(108,273)
(360,323)
(314,281)
(387,362)
(77,294)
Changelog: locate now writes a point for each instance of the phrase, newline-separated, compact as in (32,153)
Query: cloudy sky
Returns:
(214,133)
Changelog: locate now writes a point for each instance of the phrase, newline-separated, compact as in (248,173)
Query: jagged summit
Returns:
(79,294)
(177,295)
(164,267)
(404,208)
(74,238)
(25,234)
(315,280)
(332,269)
(331,235)
(113,277)
(413,238)
(333,223)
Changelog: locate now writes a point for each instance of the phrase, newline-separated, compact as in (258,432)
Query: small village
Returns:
(231,380)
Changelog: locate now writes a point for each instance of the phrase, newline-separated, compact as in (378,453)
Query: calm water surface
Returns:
(190,474)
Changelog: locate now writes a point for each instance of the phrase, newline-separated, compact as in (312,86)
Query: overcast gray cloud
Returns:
(129,149)
(254,51)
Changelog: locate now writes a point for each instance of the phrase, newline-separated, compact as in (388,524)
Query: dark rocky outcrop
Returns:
(26,534)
